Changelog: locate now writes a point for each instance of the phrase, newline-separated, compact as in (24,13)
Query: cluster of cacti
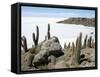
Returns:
(24,43)
(76,49)
(89,42)
(36,36)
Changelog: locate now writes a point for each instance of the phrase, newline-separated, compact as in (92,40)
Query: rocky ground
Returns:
(50,55)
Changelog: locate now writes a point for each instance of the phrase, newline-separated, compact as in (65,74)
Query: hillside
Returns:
(79,21)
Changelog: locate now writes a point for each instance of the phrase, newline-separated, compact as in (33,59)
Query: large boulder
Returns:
(88,59)
(26,60)
(48,48)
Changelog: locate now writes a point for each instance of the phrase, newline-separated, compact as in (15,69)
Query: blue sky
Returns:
(55,12)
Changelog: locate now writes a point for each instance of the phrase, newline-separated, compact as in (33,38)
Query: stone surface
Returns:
(89,57)
(48,48)
(60,64)
(26,60)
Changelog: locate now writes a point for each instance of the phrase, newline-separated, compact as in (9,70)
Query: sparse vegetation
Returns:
(49,52)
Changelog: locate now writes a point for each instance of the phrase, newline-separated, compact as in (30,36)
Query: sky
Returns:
(28,11)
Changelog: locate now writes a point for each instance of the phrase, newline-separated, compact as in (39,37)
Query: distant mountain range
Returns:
(79,21)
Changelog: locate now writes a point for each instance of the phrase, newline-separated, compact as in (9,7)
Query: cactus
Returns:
(24,43)
(45,37)
(77,50)
(80,40)
(48,33)
(65,46)
(76,41)
(89,42)
(36,37)
(93,44)
(85,41)
(68,45)
(73,47)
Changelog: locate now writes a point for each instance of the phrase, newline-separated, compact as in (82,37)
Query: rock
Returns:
(48,48)
(52,59)
(53,47)
(89,57)
(36,49)
(40,58)
(52,62)
(87,64)
(60,64)
(51,66)
(26,60)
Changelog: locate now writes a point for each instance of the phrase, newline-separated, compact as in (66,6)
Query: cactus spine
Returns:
(24,43)
(36,37)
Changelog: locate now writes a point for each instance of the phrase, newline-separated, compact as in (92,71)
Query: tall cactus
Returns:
(73,47)
(45,37)
(78,49)
(65,46)
(36,37)
(89,42)
(76,41)
(68,45)
(80,39)
(24,43)
(93,44)
(85,41)
(48,33)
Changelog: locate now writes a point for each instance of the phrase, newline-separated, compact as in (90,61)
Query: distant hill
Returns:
(79,21)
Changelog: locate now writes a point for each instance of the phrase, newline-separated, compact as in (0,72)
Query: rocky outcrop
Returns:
(88,58)
(79,21)
(48,48)
(26,60)
(49,54)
